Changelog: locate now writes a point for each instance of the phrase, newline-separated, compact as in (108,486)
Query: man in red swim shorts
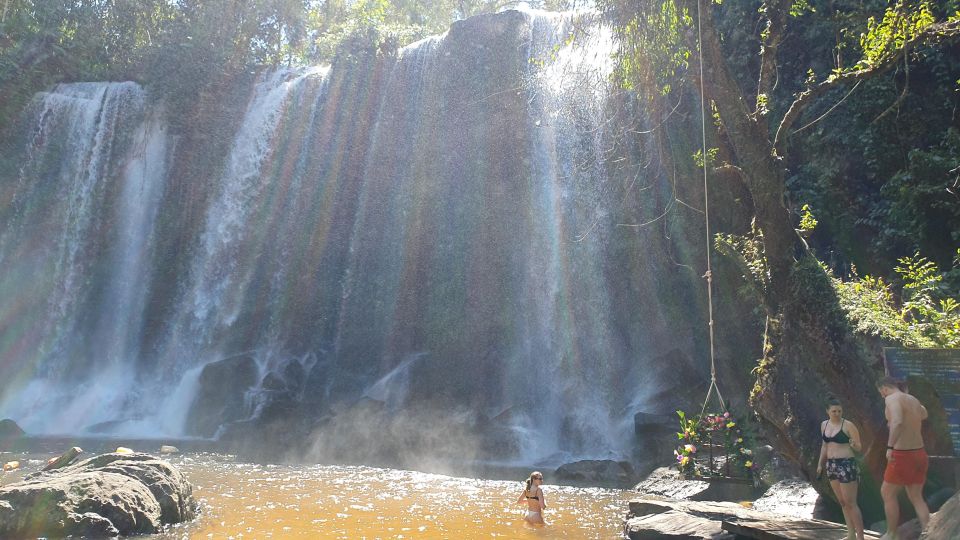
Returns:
(906,459)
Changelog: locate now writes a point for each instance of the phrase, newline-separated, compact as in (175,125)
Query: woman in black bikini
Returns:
(533,496)
(840,439)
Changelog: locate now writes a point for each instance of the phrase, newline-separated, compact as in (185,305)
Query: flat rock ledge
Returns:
(701,520)
(101,497)
(946,522)
(790,498)
(664,482)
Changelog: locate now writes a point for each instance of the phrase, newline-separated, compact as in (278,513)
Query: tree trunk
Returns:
(814,353)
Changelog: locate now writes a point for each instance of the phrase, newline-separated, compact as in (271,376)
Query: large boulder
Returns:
(10,433)
(667,483)
(656,439)
(945,523)
(104,496)
(9,429)
(715,520)
(220,396)
(275,434)
(661,518)
(793,498)
(674,525)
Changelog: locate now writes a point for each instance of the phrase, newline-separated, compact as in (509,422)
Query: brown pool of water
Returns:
(243,500)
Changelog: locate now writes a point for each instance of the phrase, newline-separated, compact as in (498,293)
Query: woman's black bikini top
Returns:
(839,437)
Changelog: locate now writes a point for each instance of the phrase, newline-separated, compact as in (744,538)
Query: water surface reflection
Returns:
(243,500)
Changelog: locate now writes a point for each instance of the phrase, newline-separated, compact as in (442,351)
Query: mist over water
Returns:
(419,250)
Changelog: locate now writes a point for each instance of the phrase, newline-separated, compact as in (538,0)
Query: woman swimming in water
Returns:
(533,496)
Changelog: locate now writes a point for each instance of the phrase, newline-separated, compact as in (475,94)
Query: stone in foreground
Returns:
(674,525)
(716,519)
(791,498)
(104,496)
(946,522)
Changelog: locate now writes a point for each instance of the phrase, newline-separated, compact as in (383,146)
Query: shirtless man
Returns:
(906,459)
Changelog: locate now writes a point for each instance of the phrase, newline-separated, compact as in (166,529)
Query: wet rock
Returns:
(497,438)
(735,518)
(295,374)
(167,449)
(655,439)
(64,459)
(108,426)
(655,425)
(794,498)
(938,498)
(274,434)
(674,525)
(666,482)
(773,467)
(104,496)
(9,429)
(657,518)
(220,396)
(596,472)
(945,523)
(273,381)
(911,530)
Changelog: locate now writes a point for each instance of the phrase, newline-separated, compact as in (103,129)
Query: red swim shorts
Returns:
(907,467)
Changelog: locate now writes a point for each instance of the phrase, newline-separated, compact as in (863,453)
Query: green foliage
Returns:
(763,101)
(376,24)
(899,24)
(180,47)
(807,222)
(711,157)
(927,315)
(926,188)
(652,36)
(800,7)
(884,187)
(747,252)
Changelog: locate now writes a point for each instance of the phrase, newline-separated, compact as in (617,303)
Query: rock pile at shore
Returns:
(103,496)
(945,523)
(672,507)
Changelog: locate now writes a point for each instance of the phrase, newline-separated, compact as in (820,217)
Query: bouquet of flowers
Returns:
(707,430)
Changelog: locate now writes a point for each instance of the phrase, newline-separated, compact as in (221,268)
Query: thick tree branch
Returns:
(932,35)
(752,149)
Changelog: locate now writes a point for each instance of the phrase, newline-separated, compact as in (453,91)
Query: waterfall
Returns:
(568,77)
(437,225)
(78,252)
(242,221)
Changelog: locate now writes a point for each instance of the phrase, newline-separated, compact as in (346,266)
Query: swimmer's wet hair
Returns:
(530,478)
(888,381)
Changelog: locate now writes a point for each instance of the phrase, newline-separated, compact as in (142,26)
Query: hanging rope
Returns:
(706,212)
